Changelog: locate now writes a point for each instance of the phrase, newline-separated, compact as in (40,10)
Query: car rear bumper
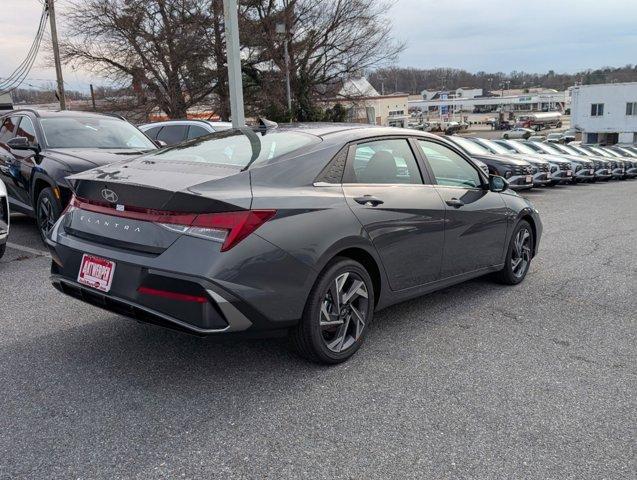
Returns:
(195,288)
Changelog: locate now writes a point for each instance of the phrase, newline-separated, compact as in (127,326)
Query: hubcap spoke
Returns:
(360,322)
(357,289)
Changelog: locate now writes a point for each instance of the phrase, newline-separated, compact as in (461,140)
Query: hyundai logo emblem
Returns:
(109,195)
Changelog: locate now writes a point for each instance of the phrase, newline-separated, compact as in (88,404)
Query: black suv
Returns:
(38,149)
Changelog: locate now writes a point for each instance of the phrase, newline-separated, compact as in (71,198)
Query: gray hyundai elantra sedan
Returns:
(303,229)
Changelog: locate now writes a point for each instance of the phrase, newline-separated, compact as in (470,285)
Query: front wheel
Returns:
(48,210)
(338,313)
(519,255)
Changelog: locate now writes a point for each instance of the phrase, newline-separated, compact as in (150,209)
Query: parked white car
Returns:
(518,133)
(4,218)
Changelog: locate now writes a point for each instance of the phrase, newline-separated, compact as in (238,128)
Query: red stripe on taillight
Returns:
(172,295)
(238,224)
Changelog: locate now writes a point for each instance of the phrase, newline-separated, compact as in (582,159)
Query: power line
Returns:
(22,71)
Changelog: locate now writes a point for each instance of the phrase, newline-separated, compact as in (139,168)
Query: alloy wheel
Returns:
(521,252)
(46,219)
(343,313)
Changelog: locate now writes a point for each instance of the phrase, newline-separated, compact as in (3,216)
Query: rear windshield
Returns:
(238,148)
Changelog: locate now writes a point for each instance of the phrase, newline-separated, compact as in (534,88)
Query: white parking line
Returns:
(32,251)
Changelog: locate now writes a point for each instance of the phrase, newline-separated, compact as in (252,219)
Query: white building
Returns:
(461,92)
(543,101)
(605,113)
(366,105)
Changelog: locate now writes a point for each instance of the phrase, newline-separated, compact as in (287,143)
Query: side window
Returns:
(196,131)
(152,132)
(384,161)
(26,129)
(448,167)
(8,129)
(172,134)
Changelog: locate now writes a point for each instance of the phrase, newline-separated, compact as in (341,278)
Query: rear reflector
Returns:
(172,295)
(227,228)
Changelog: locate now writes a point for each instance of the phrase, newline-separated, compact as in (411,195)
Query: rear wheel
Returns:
(337,315)
(48,210)
(519,255)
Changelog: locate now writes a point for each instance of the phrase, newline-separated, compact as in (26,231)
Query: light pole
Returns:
(235,85)
(281,29)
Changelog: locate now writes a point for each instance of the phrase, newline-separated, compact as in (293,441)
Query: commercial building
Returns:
(365,105)
(605,113)
(6,103)
(451,102)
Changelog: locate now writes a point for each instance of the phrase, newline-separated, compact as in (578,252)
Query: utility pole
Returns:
(93,97)
(56,54)
(235,85)
(282,29)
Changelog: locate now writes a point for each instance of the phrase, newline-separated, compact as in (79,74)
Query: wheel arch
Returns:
(365,255)
(529,218)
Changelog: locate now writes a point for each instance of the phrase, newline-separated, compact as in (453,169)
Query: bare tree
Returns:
(163,48)
(329,40)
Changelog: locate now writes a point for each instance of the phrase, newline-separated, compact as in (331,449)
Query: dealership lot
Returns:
(479,380)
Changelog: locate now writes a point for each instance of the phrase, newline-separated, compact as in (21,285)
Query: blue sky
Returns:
(489,35)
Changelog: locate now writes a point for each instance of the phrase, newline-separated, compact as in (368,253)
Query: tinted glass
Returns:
(152,132)
(26,129)
(8,129)
(384,161)
(234,147)
(93,132)
(448,167)
(196,131)
(470,147)
(172,134)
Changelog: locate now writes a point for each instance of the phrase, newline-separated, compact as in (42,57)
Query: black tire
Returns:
(3,247)
(512,274)
(505,136)
(310,339)
(48,210)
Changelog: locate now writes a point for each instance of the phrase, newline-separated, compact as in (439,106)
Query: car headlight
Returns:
(507,174)
(578,168)
(553,169)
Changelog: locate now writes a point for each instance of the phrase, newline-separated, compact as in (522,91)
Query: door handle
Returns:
(454,202)
(369,200)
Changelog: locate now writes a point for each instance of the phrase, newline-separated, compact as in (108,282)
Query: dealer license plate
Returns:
(96,272)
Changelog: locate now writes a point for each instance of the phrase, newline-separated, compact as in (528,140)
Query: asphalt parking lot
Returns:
(476,381)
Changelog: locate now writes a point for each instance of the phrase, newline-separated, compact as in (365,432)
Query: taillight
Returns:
(228,228)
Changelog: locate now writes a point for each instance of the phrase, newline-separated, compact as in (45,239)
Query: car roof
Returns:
(61,113)
(187,121)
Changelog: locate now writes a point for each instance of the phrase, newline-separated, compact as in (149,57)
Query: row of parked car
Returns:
(40,149)
(527,164)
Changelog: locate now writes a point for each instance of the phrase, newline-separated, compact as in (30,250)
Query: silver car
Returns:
(4,218)
(172,132)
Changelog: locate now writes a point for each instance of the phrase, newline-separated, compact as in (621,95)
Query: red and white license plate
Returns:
(529,179)
(96,272)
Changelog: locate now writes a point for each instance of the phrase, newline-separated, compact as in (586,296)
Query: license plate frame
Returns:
(96,272)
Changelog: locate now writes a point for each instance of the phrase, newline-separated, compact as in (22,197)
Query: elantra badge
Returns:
(109,195)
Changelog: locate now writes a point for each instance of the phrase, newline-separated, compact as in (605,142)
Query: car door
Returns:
(402,213)
(24,161)
(475,218)
(8,175)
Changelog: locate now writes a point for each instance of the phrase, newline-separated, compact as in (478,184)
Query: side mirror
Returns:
(161,143)
(497,184)
(22,143)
